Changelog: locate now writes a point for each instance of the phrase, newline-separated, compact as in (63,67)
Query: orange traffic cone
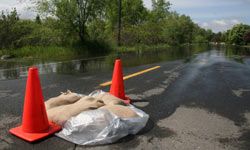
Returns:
(117,86)
(35,124)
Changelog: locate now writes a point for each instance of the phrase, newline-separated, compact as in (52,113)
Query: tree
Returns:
(38,19)
(119,22)
(74,15)
(246,37)
(209,34)
(236,34)
(160,10)
(133,12)
(217,37)
(178,29)
(7,23)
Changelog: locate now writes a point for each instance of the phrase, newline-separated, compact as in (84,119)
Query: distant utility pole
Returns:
(119,22)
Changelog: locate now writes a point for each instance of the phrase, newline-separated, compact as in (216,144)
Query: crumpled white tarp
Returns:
(101,126)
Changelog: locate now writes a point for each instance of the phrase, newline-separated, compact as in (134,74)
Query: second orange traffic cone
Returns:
(35,124)
(117,86)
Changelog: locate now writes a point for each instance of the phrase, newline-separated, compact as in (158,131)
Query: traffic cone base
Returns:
(35,123)
(32,137)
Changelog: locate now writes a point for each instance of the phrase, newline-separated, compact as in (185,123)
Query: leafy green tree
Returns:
(160,10)
(178,29)
(94,22)
(7,23)
(16,33)
(200,39)
(236,34)
(133,12)
(37,35)
(74,15)
(246,37)
(217,37)
(97,30)
(201,35)
(209,35)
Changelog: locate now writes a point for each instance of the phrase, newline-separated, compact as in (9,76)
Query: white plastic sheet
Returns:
(101,126)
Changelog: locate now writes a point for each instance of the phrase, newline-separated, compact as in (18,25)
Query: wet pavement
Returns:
(202,102)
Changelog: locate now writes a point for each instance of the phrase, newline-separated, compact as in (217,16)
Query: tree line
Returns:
(238,35)
(95,22)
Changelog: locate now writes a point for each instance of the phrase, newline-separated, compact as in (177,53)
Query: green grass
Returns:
(72,52)
(44,52)
(77,50)
(142,48)
(57,52)
(49,52)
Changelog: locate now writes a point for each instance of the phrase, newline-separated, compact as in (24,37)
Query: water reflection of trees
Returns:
(153,56)
(68,67)
(129,59)
(11,74)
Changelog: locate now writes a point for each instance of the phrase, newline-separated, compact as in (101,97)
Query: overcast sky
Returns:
(218,15)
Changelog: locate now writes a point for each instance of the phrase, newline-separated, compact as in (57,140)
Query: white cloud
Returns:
(194,3)
(148,3)
(21,6)
(220,24)
(206,3)
(235,21)
(205,24)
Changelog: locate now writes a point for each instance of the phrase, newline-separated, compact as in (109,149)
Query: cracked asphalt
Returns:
(200,104)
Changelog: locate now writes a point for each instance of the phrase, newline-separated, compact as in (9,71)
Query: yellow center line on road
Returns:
(132,75)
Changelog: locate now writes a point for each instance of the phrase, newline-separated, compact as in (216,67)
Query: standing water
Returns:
(13,69)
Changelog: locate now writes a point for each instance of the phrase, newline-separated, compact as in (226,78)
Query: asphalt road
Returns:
(201,104)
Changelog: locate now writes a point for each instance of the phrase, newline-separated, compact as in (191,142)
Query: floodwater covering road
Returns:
(199,99)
